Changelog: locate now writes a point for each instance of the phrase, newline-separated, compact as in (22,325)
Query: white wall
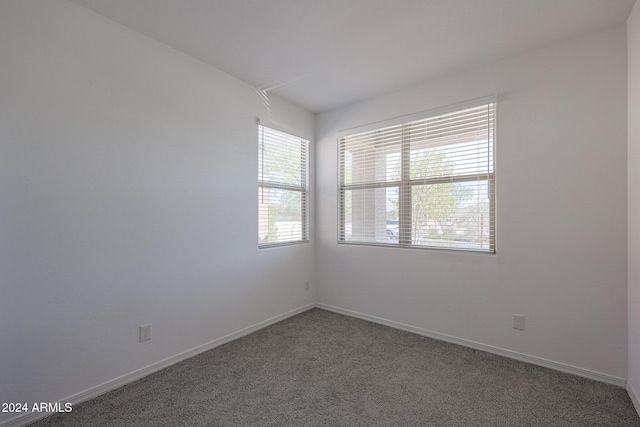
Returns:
(561,214)
(120,159)
(633,191)
(128,195)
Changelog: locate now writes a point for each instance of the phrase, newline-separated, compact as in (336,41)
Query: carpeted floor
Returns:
(324,369)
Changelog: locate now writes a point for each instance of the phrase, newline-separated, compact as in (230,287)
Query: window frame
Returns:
(303,188)
(405,183)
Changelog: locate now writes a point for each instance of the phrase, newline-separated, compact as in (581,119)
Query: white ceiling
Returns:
(321,54)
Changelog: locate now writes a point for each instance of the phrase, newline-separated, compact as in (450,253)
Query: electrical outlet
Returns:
(145,333)
(306,285)
(518,321)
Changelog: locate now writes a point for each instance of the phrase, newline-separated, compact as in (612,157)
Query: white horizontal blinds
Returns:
(282,187)
(460,141)
(370,176)
(451,176)
(427,183)
(365,157)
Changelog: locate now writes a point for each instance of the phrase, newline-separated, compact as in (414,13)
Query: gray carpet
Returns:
(324,369)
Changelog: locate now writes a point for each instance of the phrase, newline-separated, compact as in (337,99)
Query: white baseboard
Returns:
(634,397)
(113,384)
(143,372)
(558,366)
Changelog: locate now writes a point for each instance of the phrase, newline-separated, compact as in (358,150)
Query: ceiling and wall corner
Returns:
(325,54)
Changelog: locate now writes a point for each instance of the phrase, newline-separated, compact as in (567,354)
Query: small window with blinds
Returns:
(427,183)
(282,188)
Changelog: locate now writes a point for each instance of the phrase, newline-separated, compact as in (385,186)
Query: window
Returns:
(282,188)
(426,183)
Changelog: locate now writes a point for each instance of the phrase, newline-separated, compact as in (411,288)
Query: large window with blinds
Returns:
(427,182)
(283,189)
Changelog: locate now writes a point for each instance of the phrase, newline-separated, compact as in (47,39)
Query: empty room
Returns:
(319,213)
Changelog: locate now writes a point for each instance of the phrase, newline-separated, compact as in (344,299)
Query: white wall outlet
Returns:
(306,285)
(518,321)
(145,333)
